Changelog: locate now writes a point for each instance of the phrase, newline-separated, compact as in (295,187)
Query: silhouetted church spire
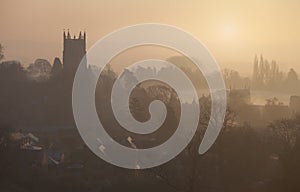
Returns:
(74,51)
(69,36)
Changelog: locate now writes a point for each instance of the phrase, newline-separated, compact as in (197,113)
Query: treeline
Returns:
(267,76)
(34,95)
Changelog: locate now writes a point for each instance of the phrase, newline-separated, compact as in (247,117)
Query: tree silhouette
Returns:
(1,52)
(40,70)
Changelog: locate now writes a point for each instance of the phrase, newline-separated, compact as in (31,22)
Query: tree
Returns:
(195,170)
(286,132)
(234,80)
(40,70)
(11,71)
(1,52)
(292,81)
(4,135)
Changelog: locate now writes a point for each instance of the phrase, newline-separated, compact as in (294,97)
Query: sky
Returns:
(233,30)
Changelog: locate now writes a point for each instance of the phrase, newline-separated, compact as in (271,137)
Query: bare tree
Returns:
(284,131)
(1,52)
(190,164)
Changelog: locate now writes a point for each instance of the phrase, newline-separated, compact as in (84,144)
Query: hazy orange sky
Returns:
(233,30)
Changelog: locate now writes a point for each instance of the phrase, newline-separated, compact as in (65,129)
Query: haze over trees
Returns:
(267,76)
(38,97)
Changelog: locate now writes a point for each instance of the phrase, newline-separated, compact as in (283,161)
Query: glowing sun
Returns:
(228,32)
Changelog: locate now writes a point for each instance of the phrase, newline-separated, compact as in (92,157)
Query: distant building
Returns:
(239,101)
(74,51)
(28,153)
(56,67)
(294,104)
(275,112)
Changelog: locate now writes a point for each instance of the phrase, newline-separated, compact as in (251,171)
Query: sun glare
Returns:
(228,32)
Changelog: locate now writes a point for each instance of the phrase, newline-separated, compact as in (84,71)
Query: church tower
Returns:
(74,51)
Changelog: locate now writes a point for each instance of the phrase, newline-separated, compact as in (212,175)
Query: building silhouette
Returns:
(56,67)
(73,53)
